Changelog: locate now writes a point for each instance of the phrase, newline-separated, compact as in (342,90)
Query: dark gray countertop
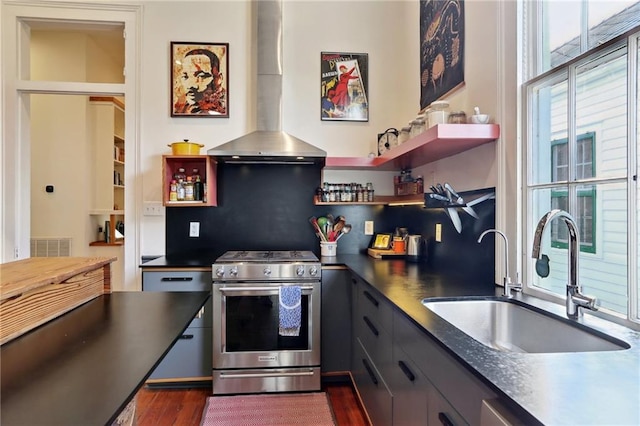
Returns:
(83,367)
(590,388)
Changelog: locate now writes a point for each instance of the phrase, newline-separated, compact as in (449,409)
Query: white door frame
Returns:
(15,88)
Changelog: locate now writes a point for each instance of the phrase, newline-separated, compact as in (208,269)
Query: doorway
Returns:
(61,62)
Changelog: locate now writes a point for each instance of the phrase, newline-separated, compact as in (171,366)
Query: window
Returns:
(581,136)
(586,195)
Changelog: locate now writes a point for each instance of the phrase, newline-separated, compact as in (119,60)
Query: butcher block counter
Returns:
(83,354)
(36,290)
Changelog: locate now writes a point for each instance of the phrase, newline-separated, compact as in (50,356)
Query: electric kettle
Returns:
(416,248)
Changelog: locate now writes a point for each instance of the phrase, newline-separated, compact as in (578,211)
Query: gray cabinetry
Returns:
(336,319)
(402,376)
(453,385)
(372,351)
(190,358)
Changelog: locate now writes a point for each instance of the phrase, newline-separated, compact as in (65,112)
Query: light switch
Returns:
(438,232)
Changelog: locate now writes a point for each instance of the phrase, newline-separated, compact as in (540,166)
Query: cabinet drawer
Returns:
(183,281)
(177,281)
(441,412)
(375,339)
(410,389)
(372,388)
(189,359)
(457,385)
(372,305)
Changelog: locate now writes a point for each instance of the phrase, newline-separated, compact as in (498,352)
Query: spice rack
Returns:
(207,167)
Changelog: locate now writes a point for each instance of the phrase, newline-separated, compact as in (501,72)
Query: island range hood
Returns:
(269,144)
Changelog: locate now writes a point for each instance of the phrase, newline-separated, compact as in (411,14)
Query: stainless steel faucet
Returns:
(575,298)
(506,281)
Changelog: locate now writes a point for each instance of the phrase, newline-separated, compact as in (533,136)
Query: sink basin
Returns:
(511,326)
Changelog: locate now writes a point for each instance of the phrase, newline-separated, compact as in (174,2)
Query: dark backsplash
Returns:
(268,206)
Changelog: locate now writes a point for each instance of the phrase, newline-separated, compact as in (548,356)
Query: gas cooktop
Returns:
(269,256)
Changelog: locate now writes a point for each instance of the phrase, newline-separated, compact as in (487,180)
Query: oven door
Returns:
(246,327)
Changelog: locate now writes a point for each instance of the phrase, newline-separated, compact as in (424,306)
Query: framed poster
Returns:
(343,86)
(199,79)
(441,48)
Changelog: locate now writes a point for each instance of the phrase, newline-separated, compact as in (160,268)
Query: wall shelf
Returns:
(437,142)
(380,200)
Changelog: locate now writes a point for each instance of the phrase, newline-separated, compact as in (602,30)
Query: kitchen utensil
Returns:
(455,219)
(316,227)
(185,148)
(459,200)
(415,248)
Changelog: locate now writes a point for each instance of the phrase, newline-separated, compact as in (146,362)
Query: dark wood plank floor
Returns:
(184,407)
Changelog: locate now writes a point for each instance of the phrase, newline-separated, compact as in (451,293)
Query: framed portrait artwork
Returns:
(344,86)
(199,79)
(441,48)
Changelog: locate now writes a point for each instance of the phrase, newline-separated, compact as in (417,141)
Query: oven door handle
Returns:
(265,288)
(257,375)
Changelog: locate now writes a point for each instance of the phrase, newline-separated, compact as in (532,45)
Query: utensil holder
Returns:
(328,249)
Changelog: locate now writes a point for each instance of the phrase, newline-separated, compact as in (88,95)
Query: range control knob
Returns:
(300,270)
(313,271)
(267,271)
(233,272)
(220,271)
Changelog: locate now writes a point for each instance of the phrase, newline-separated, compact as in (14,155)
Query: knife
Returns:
(460,200)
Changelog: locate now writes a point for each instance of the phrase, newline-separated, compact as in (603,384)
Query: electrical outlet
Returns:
(438,232)
(368,227)
(194,229)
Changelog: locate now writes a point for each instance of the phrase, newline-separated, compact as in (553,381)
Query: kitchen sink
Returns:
(511,326)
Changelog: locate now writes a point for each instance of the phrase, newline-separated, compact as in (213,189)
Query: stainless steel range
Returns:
(252,350)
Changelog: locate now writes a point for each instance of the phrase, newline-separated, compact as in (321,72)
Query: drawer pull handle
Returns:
(371,298)
(407,372)
(176,279)
(186,337)
(444,419)
(372,327)
(367,367)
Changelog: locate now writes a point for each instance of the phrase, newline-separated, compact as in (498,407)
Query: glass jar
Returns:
(404,134)
(439,113)
(457,117)
(417,127)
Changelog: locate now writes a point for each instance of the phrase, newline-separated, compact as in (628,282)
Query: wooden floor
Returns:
(184,407)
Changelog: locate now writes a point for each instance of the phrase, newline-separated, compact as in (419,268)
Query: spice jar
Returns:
(457,117)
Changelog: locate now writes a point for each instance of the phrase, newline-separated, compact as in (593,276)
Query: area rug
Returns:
(268,409)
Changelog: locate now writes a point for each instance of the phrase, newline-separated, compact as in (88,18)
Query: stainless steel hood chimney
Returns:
(269,144)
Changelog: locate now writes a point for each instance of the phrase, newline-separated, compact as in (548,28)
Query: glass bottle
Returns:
(198,189)
(173,191)
(188,189)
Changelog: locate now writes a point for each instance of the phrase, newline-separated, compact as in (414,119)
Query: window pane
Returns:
(92,55)
(549,124)
(608,19)
(601,110)
(561,33)
(603,219)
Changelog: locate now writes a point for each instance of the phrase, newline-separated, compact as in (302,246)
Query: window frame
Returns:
(530,59)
